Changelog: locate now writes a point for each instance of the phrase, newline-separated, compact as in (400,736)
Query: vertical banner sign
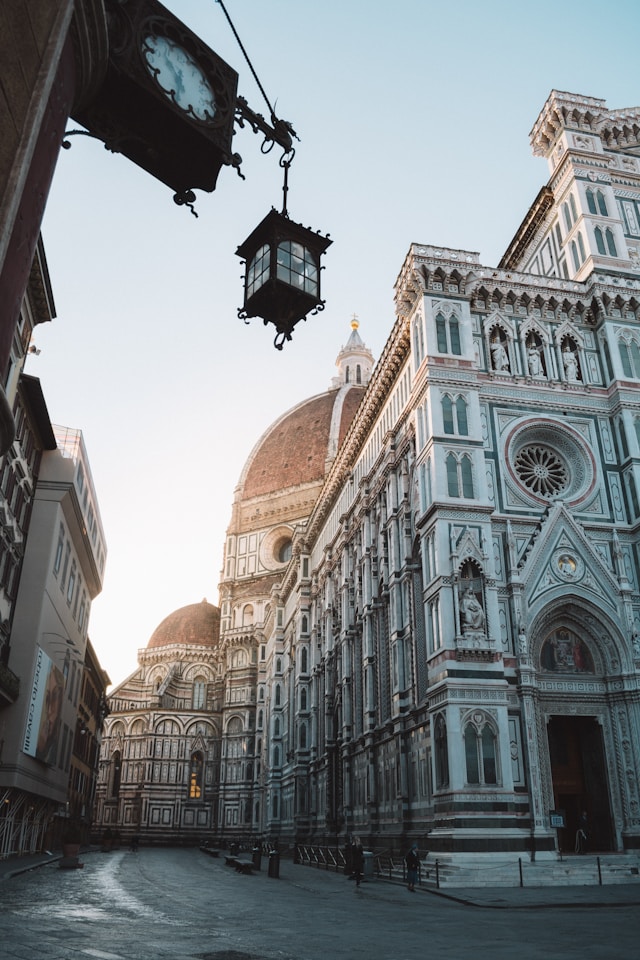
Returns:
(45,710)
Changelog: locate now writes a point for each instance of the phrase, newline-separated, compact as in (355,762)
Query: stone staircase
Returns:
(573,870)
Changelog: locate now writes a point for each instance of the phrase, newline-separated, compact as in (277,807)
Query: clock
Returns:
(166,100)
(179,77)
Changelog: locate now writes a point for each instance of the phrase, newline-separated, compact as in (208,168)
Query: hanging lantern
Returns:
(282,276)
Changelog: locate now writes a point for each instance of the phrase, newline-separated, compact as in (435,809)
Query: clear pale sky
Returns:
(414,122)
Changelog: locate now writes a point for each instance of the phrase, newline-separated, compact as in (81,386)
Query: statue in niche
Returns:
(471,611)
(522,641)
(499,357)
(570,362)
(534,360)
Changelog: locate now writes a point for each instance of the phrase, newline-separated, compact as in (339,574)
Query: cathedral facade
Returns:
(430,597)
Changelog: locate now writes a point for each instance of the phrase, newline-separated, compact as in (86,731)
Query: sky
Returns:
(414,121)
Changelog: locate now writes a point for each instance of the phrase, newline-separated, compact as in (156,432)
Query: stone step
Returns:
(574,870)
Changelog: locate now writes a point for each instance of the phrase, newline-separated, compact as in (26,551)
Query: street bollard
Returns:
(274,864)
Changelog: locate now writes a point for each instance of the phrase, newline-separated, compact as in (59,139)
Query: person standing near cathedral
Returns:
(358,861)
(412,861)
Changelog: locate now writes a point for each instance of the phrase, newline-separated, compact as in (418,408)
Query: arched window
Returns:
(441,753)
(600,241)
(611,244)
(260,719)
(630,356)
(581,246)
(447,414)
(347,375)
(460,476)
(596,202)
(116,773)
(461,413)
(304,658)
(303,699)
(199,691)
(358,373)
(196,768)
(448,335)
(480,754)
(572,204)
(303,736)
(452,476)
(277,695)
(276,726)
(418,342)
(467,477)
(574,255)
(567,216)
(276,756)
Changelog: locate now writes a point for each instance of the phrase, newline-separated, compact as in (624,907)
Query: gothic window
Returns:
(199,688)
(303,699)
(630,356)
(611,244)
(303,736)
(196,769)
(459,476)
(418,342)
(596,202)
(276,726)
(600,241)
(441,753)
(304,660)
(480,752)
(454,415)
(572,204)
(567,216)
(448,335)
(276,756)
(447,414)
(277,695)
(304,625)
(260,719)
(116,773)
(59,551)
(574,254)
(581,247)
(358,373)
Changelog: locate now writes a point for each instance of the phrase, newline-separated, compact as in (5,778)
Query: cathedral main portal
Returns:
(580,783)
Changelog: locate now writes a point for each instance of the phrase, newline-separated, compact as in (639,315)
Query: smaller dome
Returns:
(198,623)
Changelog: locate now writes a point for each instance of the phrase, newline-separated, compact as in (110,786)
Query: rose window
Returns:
(549,460)
(541,470)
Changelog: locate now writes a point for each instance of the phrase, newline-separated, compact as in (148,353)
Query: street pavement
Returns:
(158,904)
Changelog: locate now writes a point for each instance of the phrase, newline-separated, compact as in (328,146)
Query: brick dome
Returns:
(198,623)
(295,449)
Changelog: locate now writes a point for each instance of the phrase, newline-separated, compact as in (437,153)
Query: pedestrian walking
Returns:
(358,861)
(412,861)
(582,833)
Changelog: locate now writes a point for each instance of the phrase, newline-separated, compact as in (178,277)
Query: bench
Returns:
(240,865)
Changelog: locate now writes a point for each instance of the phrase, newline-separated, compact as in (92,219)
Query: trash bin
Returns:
(256,857)
(367,864)
(274,864)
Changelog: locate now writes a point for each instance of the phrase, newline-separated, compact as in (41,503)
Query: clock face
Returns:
(179,77)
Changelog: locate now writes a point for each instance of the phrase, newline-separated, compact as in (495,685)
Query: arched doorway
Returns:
(578,772)
(571,671)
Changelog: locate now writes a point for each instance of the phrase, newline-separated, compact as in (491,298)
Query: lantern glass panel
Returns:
(297,267)
(258,271)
